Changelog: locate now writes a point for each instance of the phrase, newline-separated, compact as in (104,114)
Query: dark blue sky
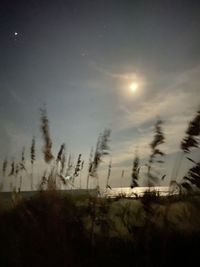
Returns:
(80,57)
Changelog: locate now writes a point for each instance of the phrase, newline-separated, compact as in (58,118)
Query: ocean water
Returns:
(138,191)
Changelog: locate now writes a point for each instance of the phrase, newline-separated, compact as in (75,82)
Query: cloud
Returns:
(175,104)
(123,73)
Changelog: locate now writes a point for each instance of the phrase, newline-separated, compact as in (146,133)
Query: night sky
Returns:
(79,58)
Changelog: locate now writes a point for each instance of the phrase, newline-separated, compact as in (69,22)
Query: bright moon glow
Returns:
(134,87)
(16,33)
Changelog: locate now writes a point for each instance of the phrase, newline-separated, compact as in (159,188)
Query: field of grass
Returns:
(54,229)
(51,229)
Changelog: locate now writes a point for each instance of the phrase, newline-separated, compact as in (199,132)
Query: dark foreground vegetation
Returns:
(53,230)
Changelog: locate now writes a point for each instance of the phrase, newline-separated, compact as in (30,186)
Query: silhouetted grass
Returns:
(46,136)
(56,229)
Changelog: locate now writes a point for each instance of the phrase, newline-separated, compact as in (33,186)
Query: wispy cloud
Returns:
(123,72)
(176,104)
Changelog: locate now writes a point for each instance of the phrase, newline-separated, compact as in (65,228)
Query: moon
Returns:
(133,87)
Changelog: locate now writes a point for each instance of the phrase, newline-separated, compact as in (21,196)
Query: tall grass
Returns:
(67,172)
(78,168)
(48,156)
(135,171)
(102,149)
(33,158)
(191,140)
(90,165)
(158,140)
(4,169)
(22,167)
(108,174)
(61,230)
(59,163)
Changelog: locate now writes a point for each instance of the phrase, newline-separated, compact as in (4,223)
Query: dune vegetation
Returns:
(52,228)
(63,170)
